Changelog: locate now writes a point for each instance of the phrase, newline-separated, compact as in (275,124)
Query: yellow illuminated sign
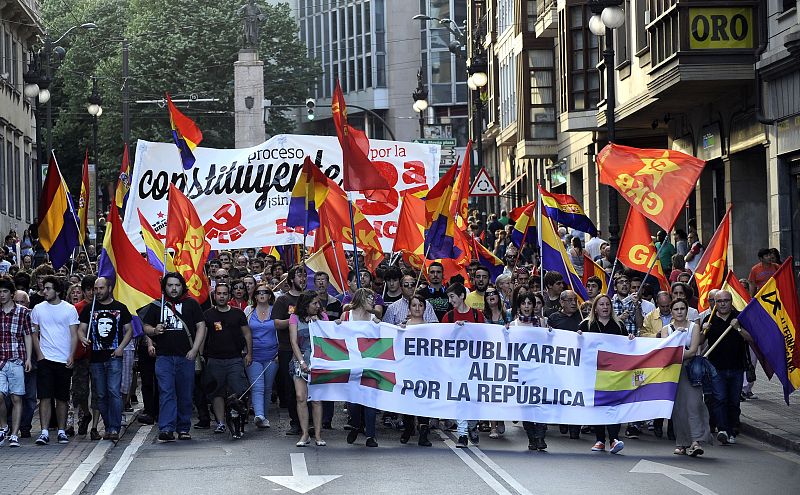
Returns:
(720,28)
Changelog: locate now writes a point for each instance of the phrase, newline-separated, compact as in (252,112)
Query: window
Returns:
(16,172)
(28,181)
(642,19)
(531,15)
(789,5)
(2,176)
(542,103)
(580,55)
(505,15)
(621,37)
(508,90)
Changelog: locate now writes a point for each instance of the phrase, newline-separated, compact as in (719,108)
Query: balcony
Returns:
(546,19)
(702,47)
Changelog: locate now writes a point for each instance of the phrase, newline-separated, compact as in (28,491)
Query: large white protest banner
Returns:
(483,371)
(242,195)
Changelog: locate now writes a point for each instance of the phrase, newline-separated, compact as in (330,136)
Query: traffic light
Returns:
(310,105)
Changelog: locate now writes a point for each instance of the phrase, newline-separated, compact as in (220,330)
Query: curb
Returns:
(86,470)
(766,433)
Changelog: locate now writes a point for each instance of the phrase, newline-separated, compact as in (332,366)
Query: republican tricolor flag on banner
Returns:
(628,378)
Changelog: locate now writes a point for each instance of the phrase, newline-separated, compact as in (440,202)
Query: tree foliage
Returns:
(184,47)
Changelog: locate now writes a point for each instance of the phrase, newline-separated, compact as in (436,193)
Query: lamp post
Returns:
(608,16)
(420,96)
(95,110)
(37,82)
(477,68)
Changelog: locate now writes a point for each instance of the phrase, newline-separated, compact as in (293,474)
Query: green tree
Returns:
(184,47)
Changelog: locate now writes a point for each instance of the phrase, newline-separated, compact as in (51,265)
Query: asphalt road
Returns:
(216,464)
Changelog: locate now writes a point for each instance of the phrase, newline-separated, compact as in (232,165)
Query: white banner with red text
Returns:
(488,372)
(242,195)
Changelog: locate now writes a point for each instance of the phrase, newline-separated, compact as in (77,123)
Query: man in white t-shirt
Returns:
(55,324)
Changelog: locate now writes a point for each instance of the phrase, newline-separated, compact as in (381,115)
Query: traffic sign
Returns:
(439,141)
(483,185)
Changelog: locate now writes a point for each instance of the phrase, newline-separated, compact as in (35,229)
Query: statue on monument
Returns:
(252,17)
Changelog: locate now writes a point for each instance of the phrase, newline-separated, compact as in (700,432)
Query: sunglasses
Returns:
(491,292)
(262,292)
(408,284)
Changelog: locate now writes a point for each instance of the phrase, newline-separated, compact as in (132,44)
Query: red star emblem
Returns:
(160,214)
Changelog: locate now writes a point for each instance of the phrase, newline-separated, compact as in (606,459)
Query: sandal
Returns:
(320,443)
(679,451)
(695,450)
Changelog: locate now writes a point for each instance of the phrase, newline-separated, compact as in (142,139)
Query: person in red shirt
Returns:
(461,313)
(763,270)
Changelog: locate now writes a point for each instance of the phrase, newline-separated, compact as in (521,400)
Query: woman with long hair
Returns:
(238,295)
(249,287)
(74,294)
(361,308)
(493,311)
(416,311)
(576,255)
(689,413)
(602,319)
(264,367)
(308,309)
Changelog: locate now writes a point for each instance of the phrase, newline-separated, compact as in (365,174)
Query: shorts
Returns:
(53,380)
(80,382)
(12,379)
(222,377)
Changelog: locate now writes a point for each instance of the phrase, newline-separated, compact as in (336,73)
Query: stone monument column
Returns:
(248,95)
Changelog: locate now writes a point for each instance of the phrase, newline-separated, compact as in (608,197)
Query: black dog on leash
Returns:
(235,415)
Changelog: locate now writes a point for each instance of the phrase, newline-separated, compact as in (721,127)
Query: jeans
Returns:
(600,432)
(369,415)
(726,408)
(176,383)
(463,425)
(107,381)
(262,385)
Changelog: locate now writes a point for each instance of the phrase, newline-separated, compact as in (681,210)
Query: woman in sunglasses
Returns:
(239,293)
(264,367)
(494,311)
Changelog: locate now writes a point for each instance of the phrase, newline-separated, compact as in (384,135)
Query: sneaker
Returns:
(462,442)
(632,432)
(62,437)
(474,436)
(13,441)
(43,439)
(722,437)
(202,425)
(94,434)
(616,446)
(541,445)
(732,439)
(650,425)
(599,447)
(371,442)
(113,436)
(352,435)
(2,436)
(184,435)
(220,428)
(166,436)
(751,396)
(259,421)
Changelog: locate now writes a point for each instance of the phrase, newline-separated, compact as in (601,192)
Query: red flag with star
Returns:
(710,271)
(636,248)
(187,236)
(655,182)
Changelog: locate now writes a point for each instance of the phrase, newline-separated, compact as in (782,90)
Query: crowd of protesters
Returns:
(70,349)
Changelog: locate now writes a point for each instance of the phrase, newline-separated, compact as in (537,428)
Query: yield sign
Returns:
(300,481)
(483,185)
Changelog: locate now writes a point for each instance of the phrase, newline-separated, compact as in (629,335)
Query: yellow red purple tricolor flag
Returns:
(186,235)
(554,258)
(710,269)
(564,209)
(359,172)
(330,258)
(83,200)
(739,294)
(185,132)
(636,248)
(58,225)
(459,201)
(655,182)
(123,182)
(772,318)
(440,221)
(525,230)
(308,194)
(592,269)
(154,247)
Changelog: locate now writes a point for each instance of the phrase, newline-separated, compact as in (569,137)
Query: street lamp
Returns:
(608,16)
(477,68)
(37,82)
(420,96)
(95,110)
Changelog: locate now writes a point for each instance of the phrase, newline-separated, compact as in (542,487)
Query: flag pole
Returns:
(539,227)
(522,244)
(353,238)
(650,268)
(338,270)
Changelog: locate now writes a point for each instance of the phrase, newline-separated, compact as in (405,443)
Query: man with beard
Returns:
(436,294)
(480,283)
(177,329)
(281,311)
(106,326)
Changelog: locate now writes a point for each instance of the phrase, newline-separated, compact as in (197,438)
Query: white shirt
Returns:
(4,266)
(397,312)
(593,247)
(54,321)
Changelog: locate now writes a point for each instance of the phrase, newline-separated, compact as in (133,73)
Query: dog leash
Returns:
(254,381)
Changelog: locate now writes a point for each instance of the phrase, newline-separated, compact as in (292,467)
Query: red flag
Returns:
(186,234)
(655,182)
(410,234)
(710,269)
(636,248)
(359,173)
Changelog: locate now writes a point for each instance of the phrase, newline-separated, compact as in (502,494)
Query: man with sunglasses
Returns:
(398,311)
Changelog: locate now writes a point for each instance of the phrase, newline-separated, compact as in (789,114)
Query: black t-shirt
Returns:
(438,299)
(551,305)
(106,328)
(174,341)
(224,337)
(35,298)
(730,353)
(561,321)
(389,299)
(281,310)
(611,328)
(333,308)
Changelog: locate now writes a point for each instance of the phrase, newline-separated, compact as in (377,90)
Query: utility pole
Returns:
(126,113)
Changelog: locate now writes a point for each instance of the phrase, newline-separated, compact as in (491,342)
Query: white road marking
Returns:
(674,473)
(84,472)
(300,481)
(476,468)
(516,485)
(116,474)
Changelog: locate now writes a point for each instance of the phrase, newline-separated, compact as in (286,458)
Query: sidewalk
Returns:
(768,418)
